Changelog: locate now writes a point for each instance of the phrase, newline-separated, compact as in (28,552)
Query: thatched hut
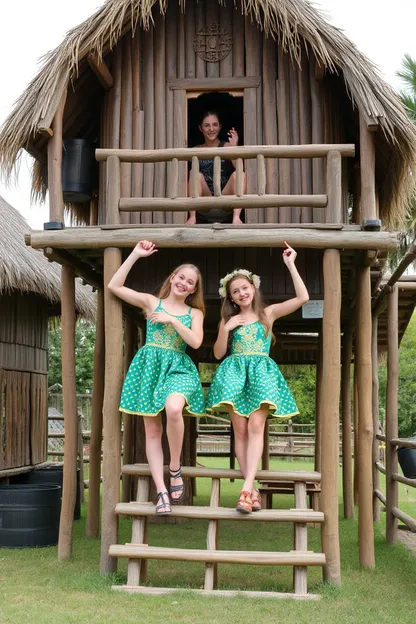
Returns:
(29,297)
(328,152)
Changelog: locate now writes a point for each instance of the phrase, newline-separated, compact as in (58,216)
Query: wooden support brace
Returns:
(100,69)
(301,541)
(211,569)
(137,568)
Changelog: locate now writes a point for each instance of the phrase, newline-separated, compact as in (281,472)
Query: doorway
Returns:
(228,105)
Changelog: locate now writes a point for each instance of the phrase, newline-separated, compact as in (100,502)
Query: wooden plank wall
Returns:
(38,418)
(291,106)
(14,419)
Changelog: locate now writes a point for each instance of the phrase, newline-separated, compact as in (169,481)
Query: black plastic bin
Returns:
(407,460)
(79,170)
(29,515)
(53,475)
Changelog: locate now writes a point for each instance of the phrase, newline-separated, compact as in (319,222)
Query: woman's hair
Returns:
(207,113)
(196,299)
(229,308)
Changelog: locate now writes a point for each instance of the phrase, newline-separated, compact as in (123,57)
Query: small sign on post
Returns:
(313,309)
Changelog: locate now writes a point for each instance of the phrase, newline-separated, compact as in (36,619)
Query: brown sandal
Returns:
(245,504)
(256,500)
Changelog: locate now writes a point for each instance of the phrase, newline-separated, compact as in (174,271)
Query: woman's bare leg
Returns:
(203,191)
(231,189)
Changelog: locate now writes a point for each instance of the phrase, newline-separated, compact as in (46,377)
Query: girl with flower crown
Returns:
(161,375)
(248,384)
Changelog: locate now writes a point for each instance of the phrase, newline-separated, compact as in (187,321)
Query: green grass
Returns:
(36,589)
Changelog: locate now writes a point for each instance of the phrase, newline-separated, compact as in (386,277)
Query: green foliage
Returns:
(407,383)
(301,380)
(408,76)
(84,354)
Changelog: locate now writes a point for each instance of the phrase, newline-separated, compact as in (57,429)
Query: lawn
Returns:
(36,589)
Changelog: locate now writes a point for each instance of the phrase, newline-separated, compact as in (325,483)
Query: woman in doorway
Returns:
(210,128)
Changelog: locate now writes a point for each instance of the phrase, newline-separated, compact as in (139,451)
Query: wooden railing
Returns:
(391,499)
(177,179)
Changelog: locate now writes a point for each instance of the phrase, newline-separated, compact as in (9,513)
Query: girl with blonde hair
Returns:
(161,375)
(248,384)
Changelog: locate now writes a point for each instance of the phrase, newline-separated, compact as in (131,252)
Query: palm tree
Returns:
(408,94)
(408,97)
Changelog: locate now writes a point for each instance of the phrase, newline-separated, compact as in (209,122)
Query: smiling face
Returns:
(184,282)
(241,292)
(210,127)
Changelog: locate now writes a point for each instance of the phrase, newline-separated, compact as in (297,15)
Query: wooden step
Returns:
(143,470)
(227,593)
(293,558)
(223,513)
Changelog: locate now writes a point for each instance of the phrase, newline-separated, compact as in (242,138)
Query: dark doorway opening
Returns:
(229,107)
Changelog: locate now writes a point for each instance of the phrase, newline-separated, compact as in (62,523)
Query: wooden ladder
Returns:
(139,552)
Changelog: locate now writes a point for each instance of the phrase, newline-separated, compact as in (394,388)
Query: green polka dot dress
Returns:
(249,379)
(161,368)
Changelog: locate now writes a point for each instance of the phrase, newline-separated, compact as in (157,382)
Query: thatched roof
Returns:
(27,270)
(291,22)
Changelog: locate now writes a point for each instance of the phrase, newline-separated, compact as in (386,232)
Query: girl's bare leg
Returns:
(175,428)
(154,453)
(240,426)
(255,428)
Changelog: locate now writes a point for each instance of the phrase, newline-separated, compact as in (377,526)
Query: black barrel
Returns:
(53,475)
(407,460)
(29,515)
(79,170)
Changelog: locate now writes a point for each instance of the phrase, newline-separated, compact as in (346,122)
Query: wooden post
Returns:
(130,341)
(290,445)
(334,187)
(300,573)
(137,568)
(80,445)
(265,458)
(113,190)
(356,456)
(93,511)
(211,569)
(365,420)
(318,406)
(283,107)
(111,415)
(331,351)
(347,489)
(70,412)
(367,171)
(56,200)
(392,487)
(375,409)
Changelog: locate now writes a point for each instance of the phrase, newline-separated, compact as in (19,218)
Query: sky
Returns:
(383,30)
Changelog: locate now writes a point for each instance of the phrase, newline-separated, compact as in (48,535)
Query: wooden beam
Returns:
(93,511)
(215,236)
(347,488)
(214,84)
(56,200)
(100,69)
(365,421)
(318,406)
(69,485)
(331,347)
(111,416)
(223,202)
(392,489)
(334,187)
(232,153)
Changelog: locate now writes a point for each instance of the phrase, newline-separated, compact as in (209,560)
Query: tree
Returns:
(84,356)
(408,94)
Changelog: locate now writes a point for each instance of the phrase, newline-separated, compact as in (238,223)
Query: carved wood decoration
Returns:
(213,43)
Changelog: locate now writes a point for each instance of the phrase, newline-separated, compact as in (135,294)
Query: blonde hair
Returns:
(229,308)
(195,299)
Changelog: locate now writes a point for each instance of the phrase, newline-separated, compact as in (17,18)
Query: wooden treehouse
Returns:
(326,148)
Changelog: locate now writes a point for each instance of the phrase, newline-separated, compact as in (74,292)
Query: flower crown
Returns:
(255,279)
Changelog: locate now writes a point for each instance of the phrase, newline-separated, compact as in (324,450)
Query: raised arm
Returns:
(191,335)
(278,310)
(232,142)
(145,301)
(220,346)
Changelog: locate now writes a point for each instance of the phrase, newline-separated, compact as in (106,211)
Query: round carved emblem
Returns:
(213,43)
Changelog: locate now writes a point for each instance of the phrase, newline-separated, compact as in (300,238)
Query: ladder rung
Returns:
(223,513)
(294,558)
